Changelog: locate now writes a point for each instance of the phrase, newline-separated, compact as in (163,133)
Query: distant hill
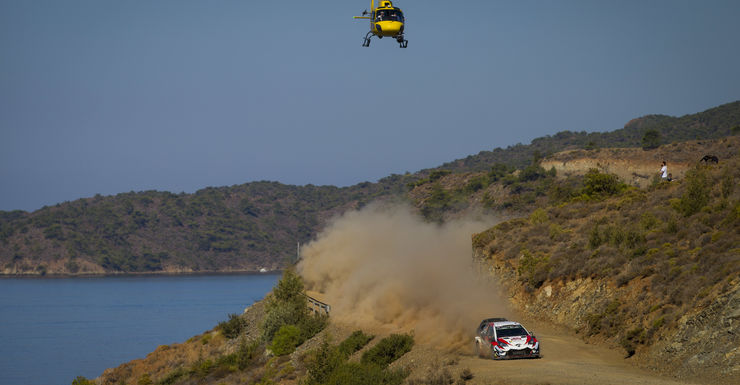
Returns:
(713,123)
(238,228)
(257,225)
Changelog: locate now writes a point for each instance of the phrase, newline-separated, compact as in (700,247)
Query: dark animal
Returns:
(710,158)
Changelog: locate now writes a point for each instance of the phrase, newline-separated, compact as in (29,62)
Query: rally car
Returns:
(499,338)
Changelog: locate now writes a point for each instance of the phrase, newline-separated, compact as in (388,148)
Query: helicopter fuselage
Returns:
(386,28)
(385,21)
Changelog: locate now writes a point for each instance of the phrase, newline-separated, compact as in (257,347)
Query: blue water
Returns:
(53,330)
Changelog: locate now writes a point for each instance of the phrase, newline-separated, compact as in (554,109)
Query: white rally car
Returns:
(499,338)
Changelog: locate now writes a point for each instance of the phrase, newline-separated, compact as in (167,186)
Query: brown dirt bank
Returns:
(638,167)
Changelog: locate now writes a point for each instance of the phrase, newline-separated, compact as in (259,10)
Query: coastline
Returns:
(141,274)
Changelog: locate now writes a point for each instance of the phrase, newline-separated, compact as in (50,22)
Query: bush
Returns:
(697,191)
(328,365)
(324,361)
(532,173)
(353,373)
(145,380)
(80,380)
(438,174)
(597,184)
(286,339)
(476,183)
(311,325)
(388,350)
(233,327)
(532,269)
(538,216)
(356,341)
(286,305)
(498,171)
(651,140)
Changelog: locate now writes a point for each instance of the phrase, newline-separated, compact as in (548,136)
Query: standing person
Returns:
(664,171)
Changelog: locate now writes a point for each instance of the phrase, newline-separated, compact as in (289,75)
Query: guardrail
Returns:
(317,306)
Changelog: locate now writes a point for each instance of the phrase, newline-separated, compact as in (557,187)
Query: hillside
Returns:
(713,123)
(638,167)
(238,228)
(257,225)
(593,263)
(653,272)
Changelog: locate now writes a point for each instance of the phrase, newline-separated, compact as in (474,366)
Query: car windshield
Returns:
(389,15)
(510,331)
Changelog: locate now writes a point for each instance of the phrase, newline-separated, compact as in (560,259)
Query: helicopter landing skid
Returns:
(366,41)
(402,43)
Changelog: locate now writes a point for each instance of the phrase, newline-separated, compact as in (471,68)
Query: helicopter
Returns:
(385,21)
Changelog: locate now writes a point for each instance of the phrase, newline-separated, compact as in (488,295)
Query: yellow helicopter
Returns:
(385,20)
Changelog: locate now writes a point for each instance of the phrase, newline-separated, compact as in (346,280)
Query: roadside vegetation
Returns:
(260,347)
(330,365)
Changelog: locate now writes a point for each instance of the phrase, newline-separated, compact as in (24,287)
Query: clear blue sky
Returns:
(104,96)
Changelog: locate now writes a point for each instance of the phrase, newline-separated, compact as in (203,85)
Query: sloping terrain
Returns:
(638,167)
(654,272)
(622,285)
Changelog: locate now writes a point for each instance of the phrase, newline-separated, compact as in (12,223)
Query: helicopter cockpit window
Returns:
(389,15)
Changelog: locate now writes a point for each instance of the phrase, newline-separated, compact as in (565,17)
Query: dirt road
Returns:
(566,360)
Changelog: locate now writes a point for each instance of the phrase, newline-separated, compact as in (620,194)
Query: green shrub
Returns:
(323,362)
(286,305)
(727,183)
(476,183)
(438,174)
(311,325)
(594,237)
(696,195)
(328,364)
(202,368)
(651,140)
(388,350)
(631,339)
(145,380)
(356,341)
(286,339)
(648,221)
(538,216)
(80,380)
(532,269)
(172,377)
(532,173)
(597,184)
(353,373)
(439,200)
(233,327)
(498,171)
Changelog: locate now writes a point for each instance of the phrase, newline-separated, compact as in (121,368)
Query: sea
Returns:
(55,329)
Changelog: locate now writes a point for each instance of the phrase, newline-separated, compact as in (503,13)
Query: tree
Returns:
(650,140)
(287,305)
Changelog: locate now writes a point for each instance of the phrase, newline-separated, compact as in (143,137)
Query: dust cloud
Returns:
(383,269)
